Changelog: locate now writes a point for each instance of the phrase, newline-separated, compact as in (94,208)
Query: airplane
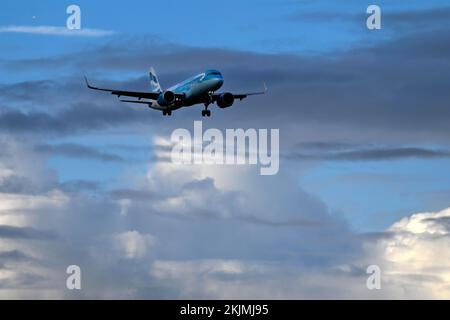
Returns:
(199,89)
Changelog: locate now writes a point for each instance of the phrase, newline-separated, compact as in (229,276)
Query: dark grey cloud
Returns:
(326,16)
(19,184)
(78,151)
(442,221)
(376,236)
(199,185)
(324,145)
(74,119)
(391,90)
(372,154)
(26,90)
(24,280)
(288,223)
(392,153)
(417,18)
(28,233)
(15,256)
(15,184)
(133,194)
(132,148)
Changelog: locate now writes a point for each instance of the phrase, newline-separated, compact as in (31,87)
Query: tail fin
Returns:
(154,82)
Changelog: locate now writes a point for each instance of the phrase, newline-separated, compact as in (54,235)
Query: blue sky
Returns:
(361,139)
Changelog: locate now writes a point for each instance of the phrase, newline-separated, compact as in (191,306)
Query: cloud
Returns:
(71,120)
(342,152)
(14,255)
(398,20)
(427,18)
(413,260)
(325,16)
(20,178)
(133,194)
(239,279)
(56,31)
(94,233)
(371,91)
(14,184)
(11,201)
(417,256)
(25,233)
(182,237)
(78,151)
(134,245)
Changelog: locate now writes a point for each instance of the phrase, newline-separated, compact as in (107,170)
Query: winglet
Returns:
(265,87)
(87,83)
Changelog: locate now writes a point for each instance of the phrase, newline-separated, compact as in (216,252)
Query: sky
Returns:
(364,151)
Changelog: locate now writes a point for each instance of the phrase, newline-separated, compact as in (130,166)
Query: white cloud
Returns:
(56,31)
(173,269)
(414,260)
(133,245)
(19,209)
(217,255)
(10,202)
(231,192)
(418,255)
(234,279)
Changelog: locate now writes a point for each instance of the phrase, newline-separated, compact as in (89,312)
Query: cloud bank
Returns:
(56,31)
(189,237)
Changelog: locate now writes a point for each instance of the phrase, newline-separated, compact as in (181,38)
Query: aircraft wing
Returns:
(241,96)
(136,94)
(148,103)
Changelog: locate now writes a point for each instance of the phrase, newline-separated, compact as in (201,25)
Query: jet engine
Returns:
(166,98)
(225,100)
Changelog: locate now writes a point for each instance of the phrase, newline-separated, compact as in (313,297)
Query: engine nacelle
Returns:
(225,100)
(166,98)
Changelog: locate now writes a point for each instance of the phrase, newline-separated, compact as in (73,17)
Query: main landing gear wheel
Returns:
(206,113)
(167,112)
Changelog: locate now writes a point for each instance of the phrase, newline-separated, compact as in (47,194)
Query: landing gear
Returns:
(206,112)
(167,112)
